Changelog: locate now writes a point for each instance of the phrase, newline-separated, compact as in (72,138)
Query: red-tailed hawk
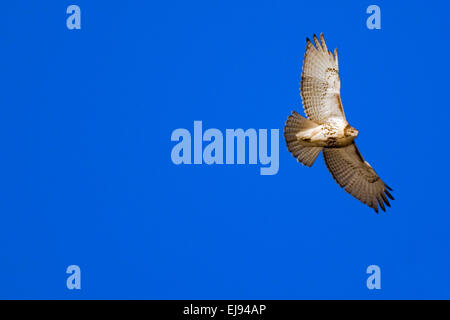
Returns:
(327,130)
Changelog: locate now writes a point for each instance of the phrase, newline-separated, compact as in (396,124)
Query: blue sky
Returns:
(86,120)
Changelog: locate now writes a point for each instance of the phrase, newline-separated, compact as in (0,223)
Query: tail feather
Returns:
(304,154)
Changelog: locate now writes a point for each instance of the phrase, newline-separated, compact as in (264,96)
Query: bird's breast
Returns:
(334,142)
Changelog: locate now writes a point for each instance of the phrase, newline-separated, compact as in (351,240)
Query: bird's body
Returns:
(329,134)
(327,129)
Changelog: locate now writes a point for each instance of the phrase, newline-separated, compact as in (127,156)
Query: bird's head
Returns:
(349,131)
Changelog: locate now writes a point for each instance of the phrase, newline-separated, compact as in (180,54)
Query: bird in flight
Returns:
(327,130)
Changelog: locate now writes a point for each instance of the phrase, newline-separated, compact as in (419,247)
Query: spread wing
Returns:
(351,172)
(320,85)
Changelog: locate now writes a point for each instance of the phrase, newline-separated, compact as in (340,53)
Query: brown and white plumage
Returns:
(327,129)
(353,173)
(320,85)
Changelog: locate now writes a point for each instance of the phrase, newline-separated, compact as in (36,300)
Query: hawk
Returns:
(327,130)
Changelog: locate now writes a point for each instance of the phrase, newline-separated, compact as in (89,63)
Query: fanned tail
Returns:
(304,154)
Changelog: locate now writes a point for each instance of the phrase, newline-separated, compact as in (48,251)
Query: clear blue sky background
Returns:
(86,179)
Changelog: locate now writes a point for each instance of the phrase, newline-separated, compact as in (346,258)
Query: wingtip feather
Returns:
(322,40)
(316,41)
(389,194)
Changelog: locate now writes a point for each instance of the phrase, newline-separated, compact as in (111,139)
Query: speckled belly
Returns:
(333,142)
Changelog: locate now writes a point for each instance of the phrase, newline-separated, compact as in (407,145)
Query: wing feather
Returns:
(351,172)
(320,84)
(324,45)
(316,41)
